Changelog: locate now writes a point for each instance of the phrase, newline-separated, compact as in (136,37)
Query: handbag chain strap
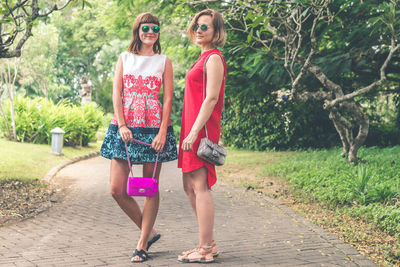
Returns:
(223,99)
(129,161)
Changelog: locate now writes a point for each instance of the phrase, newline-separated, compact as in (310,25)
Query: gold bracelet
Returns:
(121,126)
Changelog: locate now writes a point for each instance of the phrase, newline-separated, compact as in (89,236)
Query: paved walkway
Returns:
(88,228)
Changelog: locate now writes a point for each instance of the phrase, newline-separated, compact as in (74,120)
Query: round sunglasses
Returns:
(155,29)
(202,27)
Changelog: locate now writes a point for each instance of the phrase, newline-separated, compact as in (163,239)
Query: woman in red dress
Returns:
(207,30)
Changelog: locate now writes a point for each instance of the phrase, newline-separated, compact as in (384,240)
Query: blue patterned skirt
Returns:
(114,147)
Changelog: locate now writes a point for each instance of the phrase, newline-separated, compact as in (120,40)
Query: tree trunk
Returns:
(44,89)
(363,126)
(345,128)
(398,116)
(341,129)
(10,81)
(1,106)
(13,119)
(5,120)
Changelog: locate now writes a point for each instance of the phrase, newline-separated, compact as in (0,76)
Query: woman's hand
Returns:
(187,144)
(159,142)
(125,133)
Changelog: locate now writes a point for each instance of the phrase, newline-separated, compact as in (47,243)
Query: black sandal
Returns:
(141,254)
(152,241)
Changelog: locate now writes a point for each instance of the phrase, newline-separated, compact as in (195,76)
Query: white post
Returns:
(57,140)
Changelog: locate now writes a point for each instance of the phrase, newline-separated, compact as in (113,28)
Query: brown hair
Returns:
(136,44)
(219,37)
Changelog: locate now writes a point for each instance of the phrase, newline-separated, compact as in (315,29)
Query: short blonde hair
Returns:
(219,37)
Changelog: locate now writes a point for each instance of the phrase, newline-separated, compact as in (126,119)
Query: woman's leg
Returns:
(188,187)
(196,187)
(150,208)
(118,178)
(119,172)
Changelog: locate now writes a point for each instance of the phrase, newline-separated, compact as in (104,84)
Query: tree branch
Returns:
(55,8)
(17,21)
(370,87)
(320,95)
(324,80)
(294,57)
(310,55)
(18,5)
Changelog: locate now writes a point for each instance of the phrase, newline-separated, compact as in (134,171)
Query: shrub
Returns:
(311,127)
(383,135)
(36,117)
(255,124)
(266,123)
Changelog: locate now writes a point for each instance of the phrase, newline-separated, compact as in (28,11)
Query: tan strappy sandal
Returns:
(198,255)
(215,250)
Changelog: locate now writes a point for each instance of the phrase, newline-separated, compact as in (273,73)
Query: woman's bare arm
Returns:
(215,76)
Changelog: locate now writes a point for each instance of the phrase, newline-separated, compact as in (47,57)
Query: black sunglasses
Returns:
(203,27)
(155,29)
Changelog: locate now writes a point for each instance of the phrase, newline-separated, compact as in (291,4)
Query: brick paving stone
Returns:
(24,264)
(88,229)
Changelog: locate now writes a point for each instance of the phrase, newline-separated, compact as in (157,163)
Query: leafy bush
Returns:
(262,124)
(265,123)
(383,135)
(36,117)
(253,124)
(105,122)
(311,127)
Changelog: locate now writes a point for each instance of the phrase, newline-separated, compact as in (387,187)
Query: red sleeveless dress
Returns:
(193,99)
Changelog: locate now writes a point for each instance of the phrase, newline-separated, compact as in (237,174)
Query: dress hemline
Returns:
(137,163)
(211,175)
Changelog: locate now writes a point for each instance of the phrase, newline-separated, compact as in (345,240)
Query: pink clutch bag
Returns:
(141,186)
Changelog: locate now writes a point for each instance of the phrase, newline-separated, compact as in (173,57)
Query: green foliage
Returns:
(105,62)
(37,66)
(351,48)
(18,19)
(35,118)
(106,120)
(383,135)
(263,124)
(360,182)
(255,124)
(310,127)
(387,218)
(256,118)
(370,189)
(82,34)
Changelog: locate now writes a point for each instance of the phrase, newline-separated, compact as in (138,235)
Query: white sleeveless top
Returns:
(143,65)
(142,80)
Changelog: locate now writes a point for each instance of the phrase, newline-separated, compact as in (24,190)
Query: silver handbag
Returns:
(208,150)
(211,152)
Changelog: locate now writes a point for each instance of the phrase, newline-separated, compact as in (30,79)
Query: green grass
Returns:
(370,190)
(253,160)
(25,161)
(325,186)
(329,178)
